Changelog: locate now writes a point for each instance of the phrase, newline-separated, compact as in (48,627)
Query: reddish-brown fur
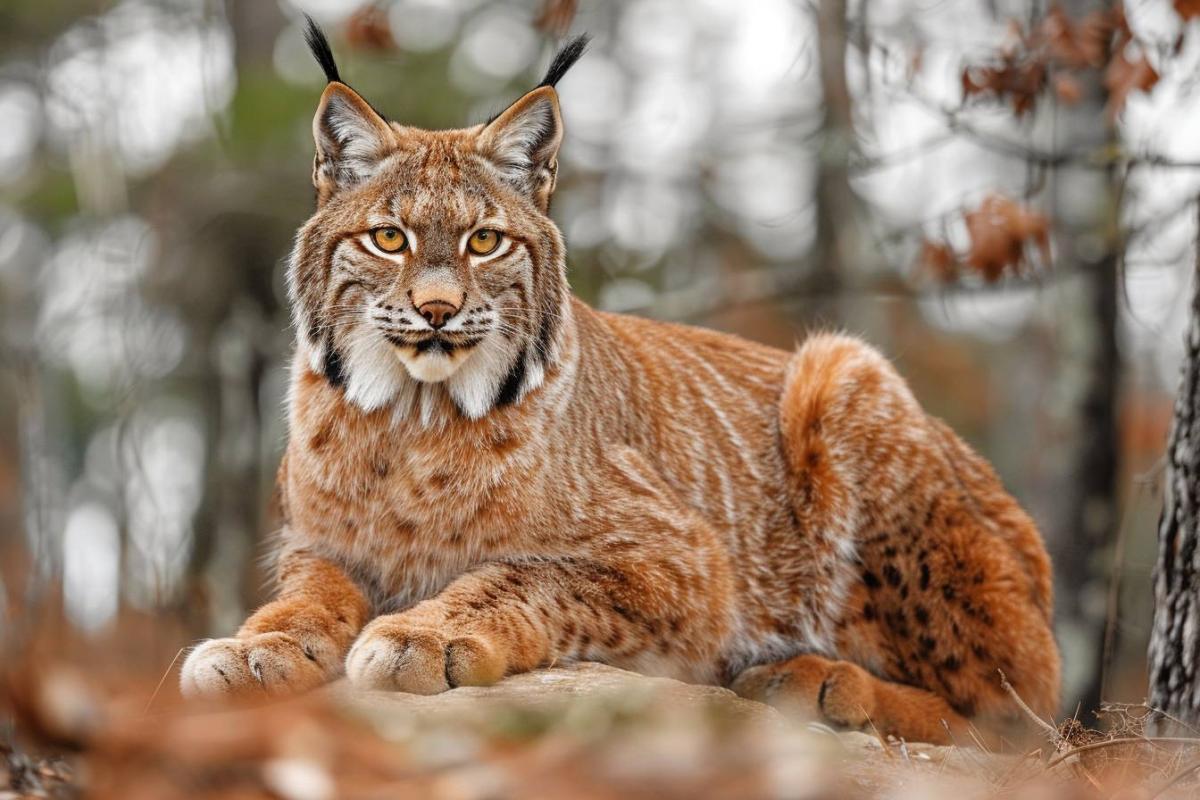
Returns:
(663,498)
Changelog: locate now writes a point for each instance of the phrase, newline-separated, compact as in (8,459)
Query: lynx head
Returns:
(430,263)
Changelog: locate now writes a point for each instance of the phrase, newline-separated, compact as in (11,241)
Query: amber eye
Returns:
(484,242)
(389,240)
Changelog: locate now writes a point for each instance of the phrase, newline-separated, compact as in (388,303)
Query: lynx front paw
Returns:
(398,657)
(847,695)
(274,663)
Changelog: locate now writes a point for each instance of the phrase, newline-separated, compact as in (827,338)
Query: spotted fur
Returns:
(537,481)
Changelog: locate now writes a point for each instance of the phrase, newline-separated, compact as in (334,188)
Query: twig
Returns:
(1083,158)
(1151,740)
(887,750)
(975,737)
(967,752)
(1050,731)
(162,680)
(1176,778)
(1171,717)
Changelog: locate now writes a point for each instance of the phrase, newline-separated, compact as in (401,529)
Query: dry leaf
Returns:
(1094,34)
(1000,230)
(1187,9)
(915,61)
(1097,41)
(368,29)
(1016,78)
(556,16)
(939,260)
(1123,76)
(1067,88)
(1076,45)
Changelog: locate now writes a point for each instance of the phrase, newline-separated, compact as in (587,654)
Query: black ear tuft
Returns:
(565,59)
(319,46)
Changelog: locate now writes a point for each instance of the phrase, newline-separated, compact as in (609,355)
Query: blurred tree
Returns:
(836,205)
(230,276)
(1084,55)
(1089,510)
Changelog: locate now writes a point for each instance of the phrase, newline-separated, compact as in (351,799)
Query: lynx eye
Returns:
(389,240)
(484,242)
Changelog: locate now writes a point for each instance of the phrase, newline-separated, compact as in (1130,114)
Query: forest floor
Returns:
(577,731)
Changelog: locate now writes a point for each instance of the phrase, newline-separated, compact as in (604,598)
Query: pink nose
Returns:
(437,312)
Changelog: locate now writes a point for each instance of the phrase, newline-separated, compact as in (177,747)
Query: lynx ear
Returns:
(523,143)
(351,136)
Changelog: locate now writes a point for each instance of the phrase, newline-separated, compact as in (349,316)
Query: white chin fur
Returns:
(374,379)
(431,367)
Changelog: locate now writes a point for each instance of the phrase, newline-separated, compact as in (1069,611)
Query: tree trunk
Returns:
(1087,515)
(1092,500)
(1175,638)
(835,202)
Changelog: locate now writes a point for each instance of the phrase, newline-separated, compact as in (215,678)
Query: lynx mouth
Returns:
(432,358)
(437,344)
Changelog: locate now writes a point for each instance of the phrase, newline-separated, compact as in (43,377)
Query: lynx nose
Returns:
(437,312)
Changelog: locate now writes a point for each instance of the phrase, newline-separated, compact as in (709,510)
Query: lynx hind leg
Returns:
(793,686)
(848,696)
(947,579)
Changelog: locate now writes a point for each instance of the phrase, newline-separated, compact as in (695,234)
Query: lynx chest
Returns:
(405,508)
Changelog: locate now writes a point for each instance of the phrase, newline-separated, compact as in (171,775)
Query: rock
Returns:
(555,690)
(628,725)
(589,730)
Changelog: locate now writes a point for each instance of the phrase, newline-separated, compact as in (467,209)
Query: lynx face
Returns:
(431,259)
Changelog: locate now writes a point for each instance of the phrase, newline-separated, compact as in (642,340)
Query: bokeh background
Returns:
(764,167)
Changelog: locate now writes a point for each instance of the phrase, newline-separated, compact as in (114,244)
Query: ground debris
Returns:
(577,731)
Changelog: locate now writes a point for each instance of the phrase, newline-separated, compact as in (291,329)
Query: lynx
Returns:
(486,476)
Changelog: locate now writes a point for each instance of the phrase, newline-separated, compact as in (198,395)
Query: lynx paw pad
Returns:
(395,657)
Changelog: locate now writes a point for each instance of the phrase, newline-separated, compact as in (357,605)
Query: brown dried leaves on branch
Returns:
(1001,234)
(1077,45)
(1056,50)
(1124,76)
(1000,230)
(940,260)
(1016,77)
(369,27)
